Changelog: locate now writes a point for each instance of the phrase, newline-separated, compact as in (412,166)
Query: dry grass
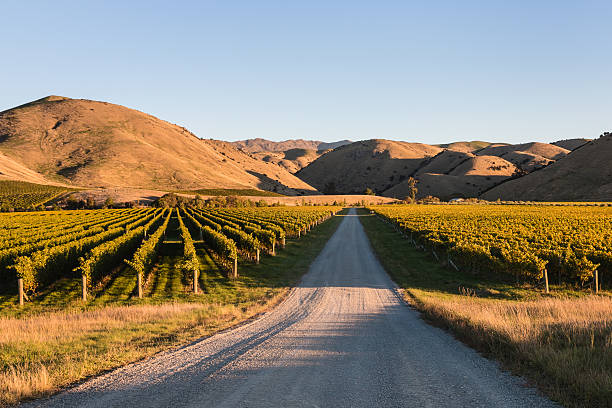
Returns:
(567,342)
(40,354)
(62,326)
(583,321)
(17,383)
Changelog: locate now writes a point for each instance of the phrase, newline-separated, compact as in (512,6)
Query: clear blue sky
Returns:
(427,71)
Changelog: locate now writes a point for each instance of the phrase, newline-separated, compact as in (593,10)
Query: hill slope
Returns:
(292,160)
(466,147)
(453,174)
(262,145)
(92,144)
(584,174)
(377,164)
(571,144)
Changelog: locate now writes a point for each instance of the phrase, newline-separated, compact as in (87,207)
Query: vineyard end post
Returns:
(195,281)
(546,279)
(139,279)
(596,282)
(257,256)
(235,269)
(20,287)
(84,287)
(283,242)
(274,248)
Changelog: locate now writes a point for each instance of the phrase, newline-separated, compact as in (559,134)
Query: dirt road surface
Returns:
(343,338)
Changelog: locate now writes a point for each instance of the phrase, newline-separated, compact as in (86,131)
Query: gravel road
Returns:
(343,338)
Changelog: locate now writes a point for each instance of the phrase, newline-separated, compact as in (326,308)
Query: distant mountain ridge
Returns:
(584,174)
(262,145)
(465,169)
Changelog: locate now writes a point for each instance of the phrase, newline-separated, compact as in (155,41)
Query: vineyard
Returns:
(571,245)
(93,248)
(20,195)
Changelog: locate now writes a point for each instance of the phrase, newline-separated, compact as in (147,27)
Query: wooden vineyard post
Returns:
(546,279)
(274,248)
(139,279)
(283,242)
(84,287)
(299,233)
(20,287)
(596,282)
(450,262)
(235,269)
(257,256)
(195,281)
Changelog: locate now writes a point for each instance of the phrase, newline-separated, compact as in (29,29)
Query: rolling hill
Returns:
(262,145)
(97,144)
(377,164)
(467,147)
(292,160)
(292,155)
(572,144)
(585,175)
(461,169)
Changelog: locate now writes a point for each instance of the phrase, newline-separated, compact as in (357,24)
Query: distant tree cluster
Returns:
(172,200)
(89,203)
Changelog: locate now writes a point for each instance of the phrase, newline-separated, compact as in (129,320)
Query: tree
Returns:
(108,203)
(412,188)
(368,191)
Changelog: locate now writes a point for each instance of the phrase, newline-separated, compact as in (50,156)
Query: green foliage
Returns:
(243,240)
(101,259)
(190,259)
(51,263)
(20,195)
(43,247)
(519,241)
(147,252)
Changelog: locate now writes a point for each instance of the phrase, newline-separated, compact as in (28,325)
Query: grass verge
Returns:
(43,349)
(561,342)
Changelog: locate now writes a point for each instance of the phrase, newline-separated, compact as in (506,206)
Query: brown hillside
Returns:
(571,144)
(484,166)
(527,162)
(466,147)
(376,164)
(292,160)
(271,176)
(444,162)
(445,186)
(454,174)
(262,145)
(88,143)
(545,150)
(11,170)
(584,174)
